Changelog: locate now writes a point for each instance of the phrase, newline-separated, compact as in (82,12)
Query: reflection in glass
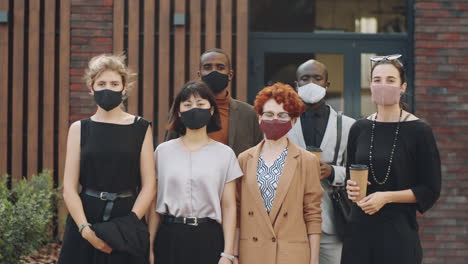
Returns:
(366,24)
(364,16)
(281,67)
(367,106)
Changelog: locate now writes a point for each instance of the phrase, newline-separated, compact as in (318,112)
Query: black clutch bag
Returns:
(342,208)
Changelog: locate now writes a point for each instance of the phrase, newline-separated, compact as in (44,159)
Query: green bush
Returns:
(26,213)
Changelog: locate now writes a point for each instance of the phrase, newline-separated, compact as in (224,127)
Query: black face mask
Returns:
(216,81)
(195,118)
(108,99)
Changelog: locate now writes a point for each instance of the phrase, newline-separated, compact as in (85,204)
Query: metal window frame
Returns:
(351,45)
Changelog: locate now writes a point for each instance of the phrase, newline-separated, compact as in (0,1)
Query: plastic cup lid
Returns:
(358,167)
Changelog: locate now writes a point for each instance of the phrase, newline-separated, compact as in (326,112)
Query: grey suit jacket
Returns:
(328,151)
(244,131)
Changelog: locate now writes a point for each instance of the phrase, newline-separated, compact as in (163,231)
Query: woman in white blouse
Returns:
(193,217)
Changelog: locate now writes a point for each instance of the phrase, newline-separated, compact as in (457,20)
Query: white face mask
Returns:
(311,93)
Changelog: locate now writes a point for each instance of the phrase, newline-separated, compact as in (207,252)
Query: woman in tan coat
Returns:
(280,193)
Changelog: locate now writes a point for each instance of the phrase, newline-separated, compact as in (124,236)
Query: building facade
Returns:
(46,44)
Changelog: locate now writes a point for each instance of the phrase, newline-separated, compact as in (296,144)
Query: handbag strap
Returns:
(406,117)
(339,128)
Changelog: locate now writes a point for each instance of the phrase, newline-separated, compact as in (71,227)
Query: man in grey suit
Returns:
(320,126)
(240,129)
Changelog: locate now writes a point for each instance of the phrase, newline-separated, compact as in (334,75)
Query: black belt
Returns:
(193,221)
(109,197)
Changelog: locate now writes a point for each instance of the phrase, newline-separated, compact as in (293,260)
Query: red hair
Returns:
(283,94)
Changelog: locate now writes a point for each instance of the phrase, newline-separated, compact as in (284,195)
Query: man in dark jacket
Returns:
(240,128)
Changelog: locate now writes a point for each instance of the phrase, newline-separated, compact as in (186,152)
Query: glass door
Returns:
(281,67)
(342,34)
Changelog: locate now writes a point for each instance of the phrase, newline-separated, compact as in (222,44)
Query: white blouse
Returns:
(191,183)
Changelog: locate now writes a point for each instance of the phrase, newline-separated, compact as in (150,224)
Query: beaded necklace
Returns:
(391,154)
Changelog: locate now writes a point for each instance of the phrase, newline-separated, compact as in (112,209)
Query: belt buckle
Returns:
(195,223)
(103,196)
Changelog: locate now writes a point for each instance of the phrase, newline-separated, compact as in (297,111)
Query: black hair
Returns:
(221,51)
(195,88)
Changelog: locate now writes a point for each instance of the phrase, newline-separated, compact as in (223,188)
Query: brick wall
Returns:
(91,34)
(441,98)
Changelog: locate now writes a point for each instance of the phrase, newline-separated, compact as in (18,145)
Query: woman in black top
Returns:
(109,155)
(404,174)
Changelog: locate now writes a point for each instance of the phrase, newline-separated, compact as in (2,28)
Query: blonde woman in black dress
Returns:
(110,159)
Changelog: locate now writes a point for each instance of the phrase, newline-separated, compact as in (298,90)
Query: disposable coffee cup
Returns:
(359,174)
(316,151)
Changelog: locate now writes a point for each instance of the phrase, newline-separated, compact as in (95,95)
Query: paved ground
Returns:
(47,255)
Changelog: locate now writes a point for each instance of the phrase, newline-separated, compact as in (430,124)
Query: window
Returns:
(362,16)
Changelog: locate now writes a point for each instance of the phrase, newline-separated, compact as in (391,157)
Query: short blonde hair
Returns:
(105,62)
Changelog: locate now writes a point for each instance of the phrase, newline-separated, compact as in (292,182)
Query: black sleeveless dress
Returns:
(109,162)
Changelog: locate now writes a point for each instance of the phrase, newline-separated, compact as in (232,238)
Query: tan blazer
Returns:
(282,236)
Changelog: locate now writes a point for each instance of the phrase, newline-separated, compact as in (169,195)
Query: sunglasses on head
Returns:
(387,57)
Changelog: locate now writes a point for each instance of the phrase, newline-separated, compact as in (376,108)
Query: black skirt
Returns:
(383,239)
(182,244)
